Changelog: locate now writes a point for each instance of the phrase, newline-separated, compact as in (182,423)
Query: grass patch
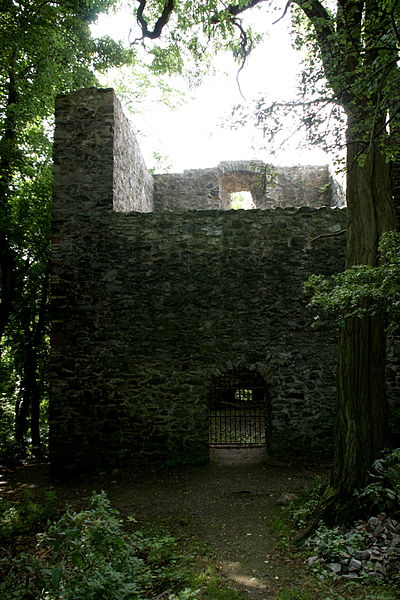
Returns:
(294,595)
(282,531)
(215,591)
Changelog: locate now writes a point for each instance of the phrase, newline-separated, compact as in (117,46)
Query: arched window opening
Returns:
(245,188)
(242,200)
(238,411)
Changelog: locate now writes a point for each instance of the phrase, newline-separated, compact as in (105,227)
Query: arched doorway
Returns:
(239,410)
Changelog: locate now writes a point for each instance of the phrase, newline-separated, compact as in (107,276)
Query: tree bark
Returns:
(8,262)
(361,400)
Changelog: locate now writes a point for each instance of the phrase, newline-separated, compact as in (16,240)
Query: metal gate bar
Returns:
(238,411)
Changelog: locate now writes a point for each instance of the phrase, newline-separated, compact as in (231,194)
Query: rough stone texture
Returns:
(149,308)
(300,186)
(205,189)
(133,184)
(378,559)
(97,160)
(196,189)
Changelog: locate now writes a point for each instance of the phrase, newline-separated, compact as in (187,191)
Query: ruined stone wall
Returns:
(133,184)
(204,189)
(299,186)
(148,308)
(196,189)
(97,160)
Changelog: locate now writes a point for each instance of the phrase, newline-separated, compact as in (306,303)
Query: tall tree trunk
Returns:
(361,401)
(29,401)
(8,151)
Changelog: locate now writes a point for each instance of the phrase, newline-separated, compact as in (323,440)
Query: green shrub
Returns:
(26,514)
(87,556)
(301,510)
(333,545)
(382,493)
(9,451)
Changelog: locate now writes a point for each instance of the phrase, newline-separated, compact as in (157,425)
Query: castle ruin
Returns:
(170,309)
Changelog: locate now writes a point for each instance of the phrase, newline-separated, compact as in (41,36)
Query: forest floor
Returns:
(229,508)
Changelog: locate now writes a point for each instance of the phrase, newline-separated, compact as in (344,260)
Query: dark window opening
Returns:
(239,411)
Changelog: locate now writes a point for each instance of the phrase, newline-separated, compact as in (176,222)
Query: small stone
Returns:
(374,521)
(394,567)
(376,575)
(382,516)
(312,559)
(362,554)
(376,555)
(335,567)
(391,525)
(285,499)
(354,564)
(396,540)
(381,569)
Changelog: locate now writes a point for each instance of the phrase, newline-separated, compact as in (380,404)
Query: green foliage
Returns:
(382,493)
(282,530)
(26,514)
(241,200)
(331,544)
(301,510)
(86,555)
(8,446)
(215,591)
(361,291)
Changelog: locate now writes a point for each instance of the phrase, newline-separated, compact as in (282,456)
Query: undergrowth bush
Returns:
(334,544)
(382,493)
(87,556)
(26,514)
(302,509)
(9,451)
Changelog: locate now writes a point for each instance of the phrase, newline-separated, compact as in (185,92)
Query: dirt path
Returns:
(231,506)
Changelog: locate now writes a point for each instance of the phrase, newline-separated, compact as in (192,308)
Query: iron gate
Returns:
(238,410)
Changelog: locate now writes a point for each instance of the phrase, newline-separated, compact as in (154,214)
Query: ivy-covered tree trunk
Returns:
(361,400)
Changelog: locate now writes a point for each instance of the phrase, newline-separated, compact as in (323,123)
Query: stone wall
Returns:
(203,189)
(196,189)
(299,186)
(97,160)
(148,308)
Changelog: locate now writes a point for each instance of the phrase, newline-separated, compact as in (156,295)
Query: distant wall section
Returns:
(270,187)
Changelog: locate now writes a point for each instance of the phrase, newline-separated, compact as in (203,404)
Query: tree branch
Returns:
(324,27)
(234,10)
(160,23)
(283,15)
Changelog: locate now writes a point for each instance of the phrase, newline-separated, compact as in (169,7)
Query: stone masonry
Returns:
(158,287)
